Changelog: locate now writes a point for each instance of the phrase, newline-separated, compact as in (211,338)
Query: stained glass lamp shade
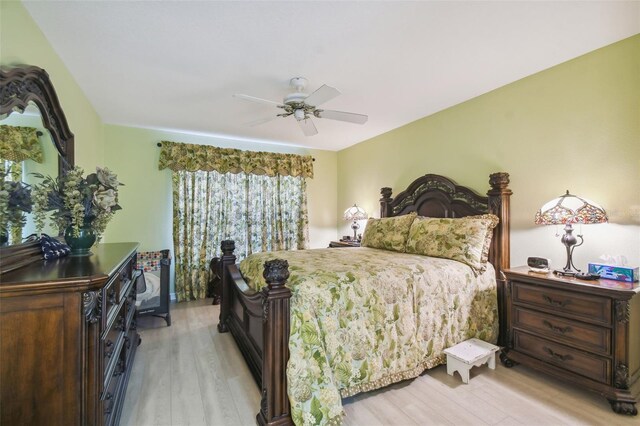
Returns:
(567,210)
(355,214)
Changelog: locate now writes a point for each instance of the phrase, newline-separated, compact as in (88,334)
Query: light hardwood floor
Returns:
(189,374)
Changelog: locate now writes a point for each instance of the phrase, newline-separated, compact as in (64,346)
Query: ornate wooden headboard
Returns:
(437,196)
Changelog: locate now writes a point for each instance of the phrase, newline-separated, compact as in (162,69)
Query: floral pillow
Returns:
(388,233)
(466,239)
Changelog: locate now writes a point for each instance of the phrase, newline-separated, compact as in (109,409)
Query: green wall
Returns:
(575,126)
(22,43)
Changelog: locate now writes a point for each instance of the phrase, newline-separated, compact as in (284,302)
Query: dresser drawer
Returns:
(110,301)
(125,277)
(586,307)
(111,394)
(116,289)
(583,336)
(591,366)
(131,342)
(112,342)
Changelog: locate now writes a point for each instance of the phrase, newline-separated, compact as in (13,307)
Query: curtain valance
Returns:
(20,143)
(190,157)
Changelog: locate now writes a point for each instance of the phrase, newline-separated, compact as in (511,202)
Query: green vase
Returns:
(80,245)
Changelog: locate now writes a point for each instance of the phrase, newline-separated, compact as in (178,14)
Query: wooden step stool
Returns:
(470,353)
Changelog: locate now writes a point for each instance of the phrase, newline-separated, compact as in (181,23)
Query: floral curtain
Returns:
(259,211)
(182,156)
(20,143)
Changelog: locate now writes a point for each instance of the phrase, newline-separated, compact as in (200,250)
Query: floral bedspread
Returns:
(364,318)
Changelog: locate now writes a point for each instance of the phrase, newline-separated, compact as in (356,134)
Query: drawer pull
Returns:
(557,328)
(125,283)
(556,355)
(108,344)
(119,369)
(559,303)
(108,398)
(111,296)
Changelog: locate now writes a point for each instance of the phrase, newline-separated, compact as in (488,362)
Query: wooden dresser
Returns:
(68,338)
(586,332)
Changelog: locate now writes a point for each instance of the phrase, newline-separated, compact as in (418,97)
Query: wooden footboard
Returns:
(259,322)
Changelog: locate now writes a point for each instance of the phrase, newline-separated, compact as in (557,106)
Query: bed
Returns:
(259,311)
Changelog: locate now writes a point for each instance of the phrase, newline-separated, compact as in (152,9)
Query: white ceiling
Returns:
(175,65)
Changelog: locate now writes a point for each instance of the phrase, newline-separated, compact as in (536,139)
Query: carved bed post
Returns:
(500,256)
(228,258)
(384,201)
(499,196)
(274,407)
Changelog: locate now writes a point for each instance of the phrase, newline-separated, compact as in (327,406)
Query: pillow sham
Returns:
(388,233)
(466,239)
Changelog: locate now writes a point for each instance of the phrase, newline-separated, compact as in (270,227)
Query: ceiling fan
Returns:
(303,106)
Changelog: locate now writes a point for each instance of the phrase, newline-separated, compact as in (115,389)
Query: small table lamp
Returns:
(566,210)
(355,213)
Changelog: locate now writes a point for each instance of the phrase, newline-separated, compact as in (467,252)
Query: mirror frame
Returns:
(20,85)
(24,84)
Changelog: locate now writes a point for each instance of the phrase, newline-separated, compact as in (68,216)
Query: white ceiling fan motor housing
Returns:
(298,83)
(297,97)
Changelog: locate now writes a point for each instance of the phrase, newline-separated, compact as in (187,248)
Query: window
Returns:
(256,199)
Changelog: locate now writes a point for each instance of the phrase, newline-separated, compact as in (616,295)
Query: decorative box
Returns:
(618,273)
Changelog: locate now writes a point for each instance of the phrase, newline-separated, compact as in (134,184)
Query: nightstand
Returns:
(585,332)
(333,244)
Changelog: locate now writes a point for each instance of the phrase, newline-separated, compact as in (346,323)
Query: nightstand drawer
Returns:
(586,307)
(591,366)
(583,336)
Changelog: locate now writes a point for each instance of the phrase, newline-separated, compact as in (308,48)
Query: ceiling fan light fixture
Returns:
(299,114)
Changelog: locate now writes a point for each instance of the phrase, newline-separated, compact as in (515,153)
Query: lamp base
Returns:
(355,226)
(570,243)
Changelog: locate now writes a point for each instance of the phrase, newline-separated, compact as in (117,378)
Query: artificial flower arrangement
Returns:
(15,201)
(76,201)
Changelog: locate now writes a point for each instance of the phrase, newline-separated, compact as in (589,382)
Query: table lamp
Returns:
(567,210)
(355,213)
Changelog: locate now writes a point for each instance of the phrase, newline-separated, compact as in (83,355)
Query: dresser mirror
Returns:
(25,169)
(28,99)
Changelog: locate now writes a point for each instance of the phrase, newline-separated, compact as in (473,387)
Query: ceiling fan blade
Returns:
(259,122)
(322,95)
(254,99)
(342,116)
(307,126)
